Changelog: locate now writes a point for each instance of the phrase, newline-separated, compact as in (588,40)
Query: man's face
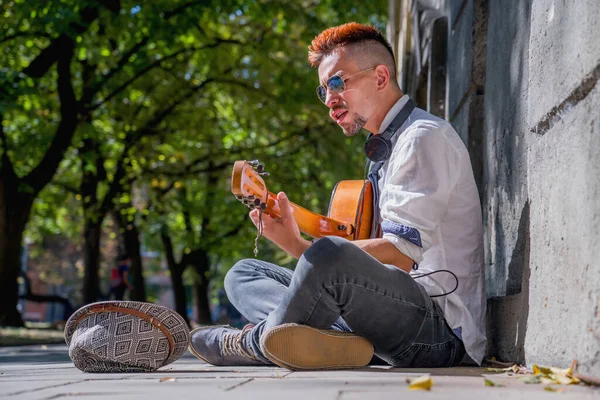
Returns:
(350,109)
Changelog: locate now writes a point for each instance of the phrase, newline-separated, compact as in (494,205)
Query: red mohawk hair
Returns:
(338,36)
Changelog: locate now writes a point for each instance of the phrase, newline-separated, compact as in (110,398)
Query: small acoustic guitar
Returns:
(350,209)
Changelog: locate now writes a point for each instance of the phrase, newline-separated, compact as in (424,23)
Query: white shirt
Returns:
(428,190)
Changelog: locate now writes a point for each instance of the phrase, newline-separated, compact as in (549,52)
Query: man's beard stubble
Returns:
(355,126)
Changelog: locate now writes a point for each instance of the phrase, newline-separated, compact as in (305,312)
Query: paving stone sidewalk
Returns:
(46,372)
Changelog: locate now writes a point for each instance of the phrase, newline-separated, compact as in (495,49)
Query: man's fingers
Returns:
(254,217)
(284,205)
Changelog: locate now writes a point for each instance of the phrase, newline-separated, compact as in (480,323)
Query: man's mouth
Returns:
(339,115)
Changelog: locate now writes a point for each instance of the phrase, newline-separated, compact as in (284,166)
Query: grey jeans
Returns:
(338,286)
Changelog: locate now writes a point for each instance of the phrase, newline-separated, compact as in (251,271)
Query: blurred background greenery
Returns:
(120,122)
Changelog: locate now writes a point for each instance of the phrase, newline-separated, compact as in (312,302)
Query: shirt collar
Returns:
(393,112)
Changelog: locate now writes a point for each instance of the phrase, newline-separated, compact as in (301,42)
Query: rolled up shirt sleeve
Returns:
(416,189)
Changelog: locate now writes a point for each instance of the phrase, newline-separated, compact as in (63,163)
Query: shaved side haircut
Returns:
(365,44)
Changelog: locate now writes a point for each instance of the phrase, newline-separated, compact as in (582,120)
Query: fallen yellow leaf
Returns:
(491,383)
(530,379)
(547,381)
(167,379)
(421,383)
(514,369)
(549,375)
(497,369)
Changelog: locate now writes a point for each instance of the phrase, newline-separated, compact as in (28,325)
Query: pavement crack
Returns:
(239,384)
(42,388)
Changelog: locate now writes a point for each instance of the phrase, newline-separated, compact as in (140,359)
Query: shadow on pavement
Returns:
(38,354)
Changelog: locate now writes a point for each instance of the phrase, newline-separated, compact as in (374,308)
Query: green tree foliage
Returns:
(161,97)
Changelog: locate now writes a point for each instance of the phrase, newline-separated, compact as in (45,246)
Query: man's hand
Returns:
(283,231)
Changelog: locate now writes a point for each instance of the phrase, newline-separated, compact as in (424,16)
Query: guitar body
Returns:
(352,202)
(350,210)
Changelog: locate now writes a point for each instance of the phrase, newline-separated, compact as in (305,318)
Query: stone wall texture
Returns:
(523,93)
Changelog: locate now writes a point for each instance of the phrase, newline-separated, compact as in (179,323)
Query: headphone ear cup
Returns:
(377,148)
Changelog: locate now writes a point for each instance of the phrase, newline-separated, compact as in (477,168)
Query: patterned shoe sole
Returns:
(300,347)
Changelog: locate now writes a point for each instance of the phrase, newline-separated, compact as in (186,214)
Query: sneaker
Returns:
(222,345)
(295,346)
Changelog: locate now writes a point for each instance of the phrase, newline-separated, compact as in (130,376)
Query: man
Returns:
(346,299)
(119,278)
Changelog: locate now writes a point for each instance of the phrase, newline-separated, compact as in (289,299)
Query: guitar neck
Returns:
(310,223)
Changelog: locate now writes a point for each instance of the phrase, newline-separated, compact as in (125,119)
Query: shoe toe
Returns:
(204,344)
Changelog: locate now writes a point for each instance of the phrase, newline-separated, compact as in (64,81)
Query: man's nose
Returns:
(331,98)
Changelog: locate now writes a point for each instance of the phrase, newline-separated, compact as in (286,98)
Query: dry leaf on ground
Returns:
(167,379)
(491,383)
(550,375)
(421,383)
(530,379)
(516,369)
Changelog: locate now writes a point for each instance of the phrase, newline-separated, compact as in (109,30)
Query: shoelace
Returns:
(231,344)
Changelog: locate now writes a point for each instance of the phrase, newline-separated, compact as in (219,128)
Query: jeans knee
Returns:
(326,254)
(328,248)
(234,277)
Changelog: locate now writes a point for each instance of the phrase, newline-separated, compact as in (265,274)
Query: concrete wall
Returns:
(523,93)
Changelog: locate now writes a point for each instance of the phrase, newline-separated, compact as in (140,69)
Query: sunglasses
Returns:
(336,84)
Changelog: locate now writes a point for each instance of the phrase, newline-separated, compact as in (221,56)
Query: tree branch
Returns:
(184,7)
(48,56)
(44,171)
(235,152)
(66,186)
(244,85)
(155,64)
(150,128)
(24,34)
(233,231)
(6,161)
(97,86)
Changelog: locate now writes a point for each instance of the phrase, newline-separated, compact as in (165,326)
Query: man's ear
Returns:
(382,75)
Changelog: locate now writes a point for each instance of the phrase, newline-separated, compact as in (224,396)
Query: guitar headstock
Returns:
(247,184)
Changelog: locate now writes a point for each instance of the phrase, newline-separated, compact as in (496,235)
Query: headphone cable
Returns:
(435,272)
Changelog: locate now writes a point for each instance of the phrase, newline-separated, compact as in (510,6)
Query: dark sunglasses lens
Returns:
(335,84)
(322,93)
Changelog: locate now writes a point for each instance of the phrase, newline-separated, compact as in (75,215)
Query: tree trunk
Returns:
(179,292)
(176,271)
(201,265)
(14,214)
(91,257)
(202,302)
(131,241)
(17,194)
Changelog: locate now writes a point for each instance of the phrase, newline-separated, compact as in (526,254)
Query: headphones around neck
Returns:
(379,147)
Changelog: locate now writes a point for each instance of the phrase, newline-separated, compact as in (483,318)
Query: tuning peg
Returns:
(254,162)
(260,168)
(264,174)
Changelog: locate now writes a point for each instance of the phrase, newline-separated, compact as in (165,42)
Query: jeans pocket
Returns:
(426,356)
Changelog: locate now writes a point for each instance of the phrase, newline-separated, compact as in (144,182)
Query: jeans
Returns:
(336,285)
